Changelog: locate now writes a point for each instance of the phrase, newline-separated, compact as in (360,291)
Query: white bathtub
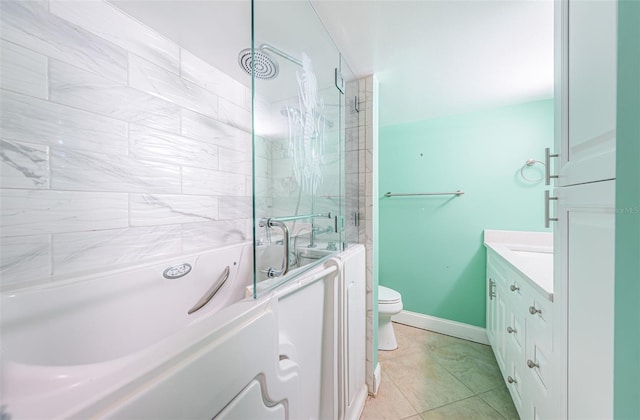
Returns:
(123,345)
(59,342)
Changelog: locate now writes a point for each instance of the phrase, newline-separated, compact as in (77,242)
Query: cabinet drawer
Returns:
(515,383)
(515,334)
(516,290)
(538,366)
(538,321)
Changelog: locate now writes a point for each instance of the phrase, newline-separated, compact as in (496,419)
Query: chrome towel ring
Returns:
(527,164)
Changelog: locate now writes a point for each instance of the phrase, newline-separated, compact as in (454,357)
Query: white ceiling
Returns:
(432,57)
(444,57)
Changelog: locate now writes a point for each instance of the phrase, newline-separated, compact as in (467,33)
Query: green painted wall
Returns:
(627,303)
(431,247)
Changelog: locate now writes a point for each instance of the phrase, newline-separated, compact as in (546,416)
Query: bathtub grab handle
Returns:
(211,292)
(271,222)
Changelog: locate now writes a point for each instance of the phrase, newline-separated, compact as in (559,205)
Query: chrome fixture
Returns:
(273,222)
(177,271)
(531,364)
(389,194)
(510,330)
(492,288)
(511,380)
(529,163)
(547,166)
(533,310)
(302,217)
(211,292)
(339,81)
(547,204)
(261,64)
(513,288)
(315,231)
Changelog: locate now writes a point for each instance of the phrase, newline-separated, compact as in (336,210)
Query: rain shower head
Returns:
(263,66)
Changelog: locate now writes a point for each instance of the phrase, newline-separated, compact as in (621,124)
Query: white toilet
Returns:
(389,304)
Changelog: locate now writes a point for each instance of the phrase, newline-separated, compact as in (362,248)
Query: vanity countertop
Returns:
(530,253)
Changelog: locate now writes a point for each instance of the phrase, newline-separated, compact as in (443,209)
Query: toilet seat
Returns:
(388,296)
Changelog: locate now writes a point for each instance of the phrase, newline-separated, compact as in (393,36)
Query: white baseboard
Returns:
(442,326)
(376,379)
(358,405)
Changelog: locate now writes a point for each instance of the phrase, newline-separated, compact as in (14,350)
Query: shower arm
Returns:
(271,48)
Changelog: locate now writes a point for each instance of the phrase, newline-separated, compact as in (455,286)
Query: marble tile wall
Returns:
(367,193)
(117,146)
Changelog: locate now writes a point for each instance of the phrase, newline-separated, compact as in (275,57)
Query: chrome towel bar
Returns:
(301,217)
(389,194)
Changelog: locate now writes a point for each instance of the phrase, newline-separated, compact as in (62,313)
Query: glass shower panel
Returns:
(351,123)
(298,133)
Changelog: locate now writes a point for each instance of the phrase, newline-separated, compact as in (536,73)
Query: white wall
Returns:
(118,146)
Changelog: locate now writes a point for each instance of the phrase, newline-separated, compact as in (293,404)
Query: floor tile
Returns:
(501,401)
(424,382)
(389,404)
(441,377)
(471,363)
(411,339)
(471,408)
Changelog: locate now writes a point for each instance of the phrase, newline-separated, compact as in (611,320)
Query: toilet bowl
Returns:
(389,304)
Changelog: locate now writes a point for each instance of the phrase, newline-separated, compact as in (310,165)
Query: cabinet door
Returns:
(501,326)
(586,45)
(584,285)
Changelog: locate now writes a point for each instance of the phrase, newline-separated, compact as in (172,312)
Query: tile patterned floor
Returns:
(433,376)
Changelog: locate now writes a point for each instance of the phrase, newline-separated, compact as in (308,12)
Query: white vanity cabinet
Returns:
(584,211)
(519,313)
(585,288)
(586,47)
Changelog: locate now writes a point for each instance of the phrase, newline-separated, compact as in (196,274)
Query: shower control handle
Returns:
(533,310)
(531,364)
(513,288)
(511,380)
(510,330)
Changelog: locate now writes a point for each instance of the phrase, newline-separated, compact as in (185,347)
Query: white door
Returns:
(585,239)
(586,46)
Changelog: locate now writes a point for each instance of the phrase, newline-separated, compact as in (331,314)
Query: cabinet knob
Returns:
(511,380)
(510,330)
(513,288)
(531,364)
(533,310)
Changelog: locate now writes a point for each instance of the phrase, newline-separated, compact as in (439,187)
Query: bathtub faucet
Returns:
(315,231)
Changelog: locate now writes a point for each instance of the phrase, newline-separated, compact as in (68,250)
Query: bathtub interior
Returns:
(103,318)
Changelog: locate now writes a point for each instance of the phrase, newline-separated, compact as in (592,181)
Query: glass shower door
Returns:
(298,135)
